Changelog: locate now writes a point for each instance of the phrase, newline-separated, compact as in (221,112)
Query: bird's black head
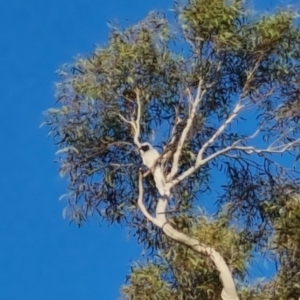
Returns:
(145,148)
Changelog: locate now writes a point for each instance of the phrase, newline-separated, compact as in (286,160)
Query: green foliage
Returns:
(237,56)
(146,283)
(212,21)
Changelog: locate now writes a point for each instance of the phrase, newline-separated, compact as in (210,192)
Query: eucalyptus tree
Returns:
(214,93)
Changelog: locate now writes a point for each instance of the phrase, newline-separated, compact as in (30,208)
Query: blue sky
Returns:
(42,257)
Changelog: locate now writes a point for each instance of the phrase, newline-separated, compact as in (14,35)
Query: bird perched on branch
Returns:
(150,158)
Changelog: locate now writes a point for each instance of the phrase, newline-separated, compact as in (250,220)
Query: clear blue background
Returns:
(42,257)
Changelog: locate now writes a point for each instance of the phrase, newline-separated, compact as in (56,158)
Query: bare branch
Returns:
(233,115)
(194,105)
(137,125)
(250,75)
(234,147)
(174,129)
(122,118)
(229,290)
(282,136)
(142,206)
(200,161)
(271,150)
(161,208)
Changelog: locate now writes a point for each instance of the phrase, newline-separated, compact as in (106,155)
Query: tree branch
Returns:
(200,161)
(135,124)
(168,148)
(194,105)
(233,115)
(141,203)
(229,290)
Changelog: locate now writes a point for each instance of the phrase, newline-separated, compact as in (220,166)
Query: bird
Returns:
(150,158)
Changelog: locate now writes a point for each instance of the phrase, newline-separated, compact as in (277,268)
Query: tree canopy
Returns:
(216,91)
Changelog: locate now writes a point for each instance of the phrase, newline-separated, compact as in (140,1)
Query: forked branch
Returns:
(229,290)
(135,124)
(193,109)
(276,147)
